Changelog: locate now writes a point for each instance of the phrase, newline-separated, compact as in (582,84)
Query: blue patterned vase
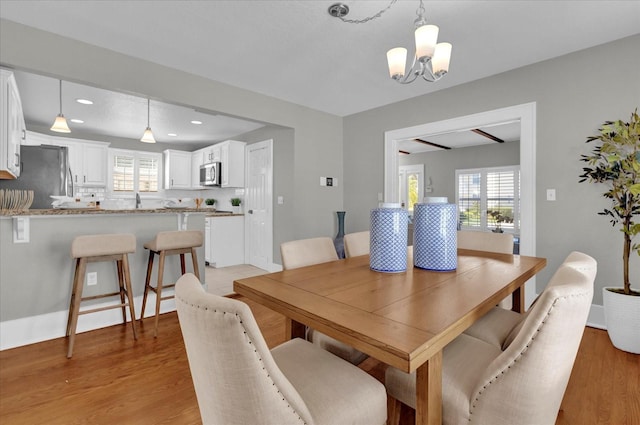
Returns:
(435,238)
(388,240)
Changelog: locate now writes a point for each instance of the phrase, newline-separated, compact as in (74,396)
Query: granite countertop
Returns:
(95,211)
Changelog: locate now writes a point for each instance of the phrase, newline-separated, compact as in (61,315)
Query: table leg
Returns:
(429,391)
(294,329)
(517,300)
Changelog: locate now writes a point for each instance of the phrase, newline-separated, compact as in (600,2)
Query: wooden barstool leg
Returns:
(393,410)
(73,297)
(129,291)
(183,267)
(194,259)
(78,283)
(147,283)
(159,292)
(120,272)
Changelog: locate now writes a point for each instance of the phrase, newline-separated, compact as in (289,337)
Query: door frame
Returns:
(526,114)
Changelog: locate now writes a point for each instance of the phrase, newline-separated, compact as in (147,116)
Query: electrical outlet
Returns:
(551,194)
(92,278)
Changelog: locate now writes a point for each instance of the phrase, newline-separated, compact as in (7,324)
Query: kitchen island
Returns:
(36,267)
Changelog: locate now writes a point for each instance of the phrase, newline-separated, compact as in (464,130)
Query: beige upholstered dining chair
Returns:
(519,377)
(239,381)
(307,252)
(486,241)
(501,243)
(357,244)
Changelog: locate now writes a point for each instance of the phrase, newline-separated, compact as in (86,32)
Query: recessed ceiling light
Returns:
(172,135)
(196,122)
(85,101)
(77,121)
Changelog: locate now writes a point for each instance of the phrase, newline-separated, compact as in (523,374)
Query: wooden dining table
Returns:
(402,319)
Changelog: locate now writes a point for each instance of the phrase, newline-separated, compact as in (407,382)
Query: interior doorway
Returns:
(526,114)
(259,205)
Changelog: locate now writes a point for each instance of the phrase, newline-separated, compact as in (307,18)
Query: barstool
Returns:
(94,248)
(169,243)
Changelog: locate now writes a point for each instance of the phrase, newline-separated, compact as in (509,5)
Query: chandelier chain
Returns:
(370,18)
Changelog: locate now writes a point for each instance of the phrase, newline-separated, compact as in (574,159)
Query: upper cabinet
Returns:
(88,162)
(197,159)
(177,169)
(12,126)
(88,159)
(232,159)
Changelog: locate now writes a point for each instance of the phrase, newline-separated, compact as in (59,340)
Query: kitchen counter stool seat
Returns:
(178,242)
(95,248)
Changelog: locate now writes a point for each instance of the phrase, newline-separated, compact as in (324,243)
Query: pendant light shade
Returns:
(147,137)
(60,124)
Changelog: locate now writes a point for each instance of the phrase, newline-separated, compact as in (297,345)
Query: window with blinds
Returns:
(489,198)
(133,171)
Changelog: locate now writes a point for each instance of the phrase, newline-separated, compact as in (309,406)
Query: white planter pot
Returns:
(622,317)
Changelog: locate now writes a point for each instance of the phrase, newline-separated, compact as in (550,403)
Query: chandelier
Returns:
(431,61)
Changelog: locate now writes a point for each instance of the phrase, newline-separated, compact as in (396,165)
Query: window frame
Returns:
(137,156)
(485,225)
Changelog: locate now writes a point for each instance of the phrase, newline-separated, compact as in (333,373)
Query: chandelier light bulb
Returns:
(426,39)
(397,58)
(441,59)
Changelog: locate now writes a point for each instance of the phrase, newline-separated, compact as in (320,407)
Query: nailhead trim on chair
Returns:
(257,355)
(484,387)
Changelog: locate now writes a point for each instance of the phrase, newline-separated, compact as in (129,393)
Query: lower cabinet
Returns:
(224,240)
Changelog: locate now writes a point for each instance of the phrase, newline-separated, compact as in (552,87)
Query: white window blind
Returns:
(489,198)
(134,171)
(123,171)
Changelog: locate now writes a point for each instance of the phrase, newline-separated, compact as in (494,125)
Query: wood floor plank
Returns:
(114,379)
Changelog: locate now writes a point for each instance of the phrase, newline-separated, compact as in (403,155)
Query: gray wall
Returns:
(36,276)
(441,166)
(574,93)
(318,135)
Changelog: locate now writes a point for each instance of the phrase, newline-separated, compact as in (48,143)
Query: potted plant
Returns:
(210,202)
(615,162)
(498,218)
(235,203)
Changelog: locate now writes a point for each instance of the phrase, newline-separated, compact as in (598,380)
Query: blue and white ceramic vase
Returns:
(435,238)
(388,240)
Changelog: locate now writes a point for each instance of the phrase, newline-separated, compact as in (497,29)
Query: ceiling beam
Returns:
(404,152)
(435,145)
(487,135)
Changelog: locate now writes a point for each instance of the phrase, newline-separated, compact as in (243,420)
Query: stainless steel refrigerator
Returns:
(45,170)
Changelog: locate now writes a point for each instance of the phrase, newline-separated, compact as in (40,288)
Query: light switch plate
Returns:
(551,194)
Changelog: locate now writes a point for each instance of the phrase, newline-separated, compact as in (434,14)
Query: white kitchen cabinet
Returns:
(88,161)
(225,243)
(177,169)
(211,154)
(197,159)
(232,159)
(12,126)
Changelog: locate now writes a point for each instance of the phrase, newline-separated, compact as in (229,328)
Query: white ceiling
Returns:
(295,51)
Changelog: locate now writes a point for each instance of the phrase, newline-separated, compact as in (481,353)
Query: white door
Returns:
(259,205)
(411,179)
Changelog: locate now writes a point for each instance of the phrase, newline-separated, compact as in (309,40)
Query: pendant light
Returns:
(60,124)
(147,137)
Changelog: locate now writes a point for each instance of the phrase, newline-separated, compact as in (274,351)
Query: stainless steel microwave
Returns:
(210,174)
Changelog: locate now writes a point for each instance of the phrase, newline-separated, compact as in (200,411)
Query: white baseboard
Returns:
(29,330)
(596,317)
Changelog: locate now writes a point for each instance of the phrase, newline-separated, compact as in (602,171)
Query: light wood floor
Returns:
(113,379)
